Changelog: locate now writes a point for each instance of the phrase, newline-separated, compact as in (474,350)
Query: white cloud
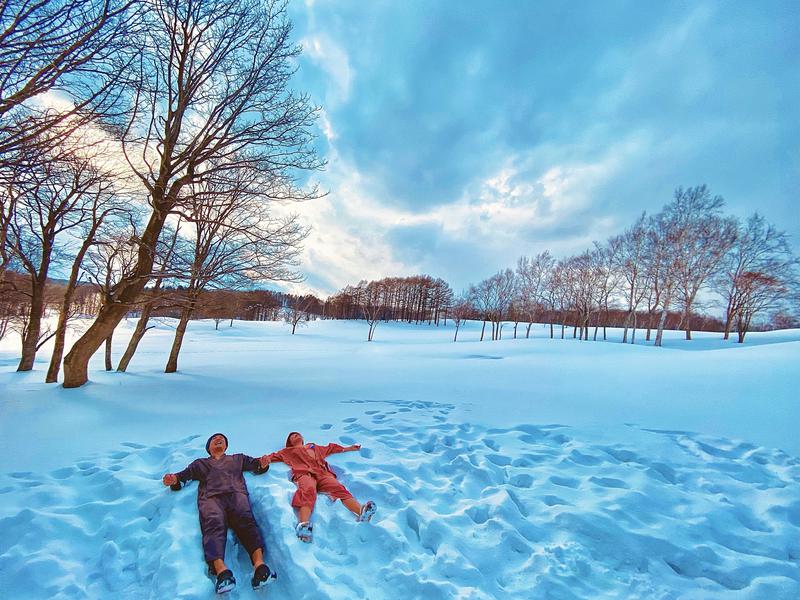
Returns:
(326,126)
(334,61)
(500,214)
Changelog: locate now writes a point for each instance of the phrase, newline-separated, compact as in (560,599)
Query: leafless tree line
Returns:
(671,264)
(415,299)
(665,271)
(157,134)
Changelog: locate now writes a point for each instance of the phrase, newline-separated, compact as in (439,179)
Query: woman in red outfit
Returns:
(311,473)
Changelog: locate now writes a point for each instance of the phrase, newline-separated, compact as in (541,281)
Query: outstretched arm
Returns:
(271,458)
(336,449)
(175,480)
(255,465)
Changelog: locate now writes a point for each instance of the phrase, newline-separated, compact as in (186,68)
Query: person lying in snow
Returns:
(223,501)
(312,474)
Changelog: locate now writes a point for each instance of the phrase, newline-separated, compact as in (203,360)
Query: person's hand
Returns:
(170,479)
(355,447)
(265,460)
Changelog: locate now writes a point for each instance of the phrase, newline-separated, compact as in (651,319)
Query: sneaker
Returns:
(367,511)
(262,577)
(225,582)
(305,531)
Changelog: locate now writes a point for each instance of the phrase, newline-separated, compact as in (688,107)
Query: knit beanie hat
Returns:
(208,442)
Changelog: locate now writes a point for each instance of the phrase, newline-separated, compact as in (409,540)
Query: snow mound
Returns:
(464,511)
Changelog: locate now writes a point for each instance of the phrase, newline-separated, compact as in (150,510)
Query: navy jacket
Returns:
(222,475)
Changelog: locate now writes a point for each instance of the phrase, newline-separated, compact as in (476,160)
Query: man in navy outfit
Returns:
(223,501)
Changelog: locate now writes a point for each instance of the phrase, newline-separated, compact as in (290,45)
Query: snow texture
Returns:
(475,499)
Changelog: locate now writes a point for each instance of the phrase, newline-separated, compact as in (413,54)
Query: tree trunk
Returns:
(138,334)
(687,322)
(633,331)
(515,329)
(109,366)
(76,363)
(172,361)
(34,328)
(551,330)
(483,329)
(528,330)
(728,325)
(743,329)
(661,322)
(61,328)
(58,344)
(455,337)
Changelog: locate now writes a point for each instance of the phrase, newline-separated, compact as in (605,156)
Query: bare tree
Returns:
(100,204)
(505,282)
(296,314)
(531,277)
(234,242)
(53,197)
(109,263)
(368,296)
(757,293)
(606,283)
(164,268)
(705,245)
(209,94)
(78,48)
(628,259)
(581,280)
(755,273)
(492,299)
(681,231)
(482,297)
(556,295)
(461,310)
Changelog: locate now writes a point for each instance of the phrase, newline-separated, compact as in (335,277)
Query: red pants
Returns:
(308,486)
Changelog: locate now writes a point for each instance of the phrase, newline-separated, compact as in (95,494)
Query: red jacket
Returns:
(307,459)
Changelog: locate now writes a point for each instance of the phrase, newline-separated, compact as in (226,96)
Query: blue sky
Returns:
(462,135)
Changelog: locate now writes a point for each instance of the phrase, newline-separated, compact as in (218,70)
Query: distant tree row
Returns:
(665,271)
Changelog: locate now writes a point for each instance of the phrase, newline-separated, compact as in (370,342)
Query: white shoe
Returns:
(304,531)
(367,511)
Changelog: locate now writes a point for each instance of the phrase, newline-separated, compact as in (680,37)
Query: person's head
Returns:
(217,444)
(294,439)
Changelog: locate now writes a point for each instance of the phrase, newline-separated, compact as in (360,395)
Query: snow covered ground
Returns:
(514,469)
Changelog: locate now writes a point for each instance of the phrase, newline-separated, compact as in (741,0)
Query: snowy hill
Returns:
(514,469)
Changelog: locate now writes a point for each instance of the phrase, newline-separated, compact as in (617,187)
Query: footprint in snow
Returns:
(453,514)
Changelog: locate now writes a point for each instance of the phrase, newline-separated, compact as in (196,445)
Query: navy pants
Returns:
(217,513)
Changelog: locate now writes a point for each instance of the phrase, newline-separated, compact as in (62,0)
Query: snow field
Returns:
(530,511)
(546,469)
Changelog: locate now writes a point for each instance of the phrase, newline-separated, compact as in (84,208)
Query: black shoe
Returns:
(225,582)
(262,577)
